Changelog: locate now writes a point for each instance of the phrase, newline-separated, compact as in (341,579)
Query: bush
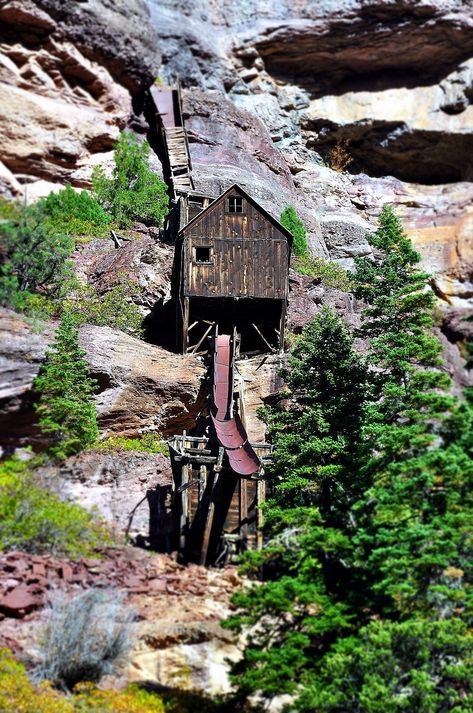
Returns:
(291,221)
(74,213)
(17,693)
(420,666)
(34,520)
(328,272)
(85,638)
(35,257)
(66,408)
(134,192)
(147,443)
(112,309)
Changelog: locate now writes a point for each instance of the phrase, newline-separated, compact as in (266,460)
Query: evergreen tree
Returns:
(34,255)
(412,535)
(299,608)
(315,437)
(66,408)
(134,192)
(294,224)
(368,596)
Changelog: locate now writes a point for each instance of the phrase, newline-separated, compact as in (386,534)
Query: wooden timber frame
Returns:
(217,514)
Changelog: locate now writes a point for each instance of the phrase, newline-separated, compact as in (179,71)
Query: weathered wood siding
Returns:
(249,255)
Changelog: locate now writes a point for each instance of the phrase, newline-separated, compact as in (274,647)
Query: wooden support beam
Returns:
(260,498)
(208,524)
(282,326)
(243,504)
(207,332)
(185,325)
(272,349)
(184,506)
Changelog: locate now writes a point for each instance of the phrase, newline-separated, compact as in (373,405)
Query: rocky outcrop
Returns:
(67,73)
(179,640)
(142,388)
(141,261)
(315,75)
(131,490)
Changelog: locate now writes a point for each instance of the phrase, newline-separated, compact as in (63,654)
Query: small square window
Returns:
(202,254)
(235,204)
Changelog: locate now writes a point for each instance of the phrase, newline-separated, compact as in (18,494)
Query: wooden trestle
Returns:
(216,512)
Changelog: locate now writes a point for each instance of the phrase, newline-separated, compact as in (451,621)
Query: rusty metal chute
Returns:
(228,426)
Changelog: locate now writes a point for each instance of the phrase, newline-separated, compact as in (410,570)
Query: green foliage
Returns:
(327,271)
(17,693)
(74,213)
(66,408)
(114,308)
(147,443)
(34,520)
(291,221)
(9,210)
(134,192)
(314,437)
(35,256)
(367,591)
(390,667)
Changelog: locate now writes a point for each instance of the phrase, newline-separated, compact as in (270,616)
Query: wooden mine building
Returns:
(230,287)
(232,261)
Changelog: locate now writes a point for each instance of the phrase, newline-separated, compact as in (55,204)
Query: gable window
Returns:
(235,204)
(202,254)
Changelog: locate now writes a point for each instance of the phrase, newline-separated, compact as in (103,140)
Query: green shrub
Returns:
(330,273)
(66,408)
(74,213)
(147,443)
(294,224)
(113,309)
(17,693)
(420,666)
(35,256)
(34,520)
(9,210)
(134,192)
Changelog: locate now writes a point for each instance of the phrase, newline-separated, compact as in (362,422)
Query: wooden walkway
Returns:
(168,106)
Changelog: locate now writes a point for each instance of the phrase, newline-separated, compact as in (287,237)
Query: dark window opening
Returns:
(202,254)
(197,201)
(235,204)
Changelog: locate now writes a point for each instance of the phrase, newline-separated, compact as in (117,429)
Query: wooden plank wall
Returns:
(249,254)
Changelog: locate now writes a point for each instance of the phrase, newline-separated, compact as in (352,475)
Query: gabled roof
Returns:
(239,189)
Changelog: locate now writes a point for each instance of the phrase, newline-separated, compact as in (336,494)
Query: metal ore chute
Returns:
(229,428)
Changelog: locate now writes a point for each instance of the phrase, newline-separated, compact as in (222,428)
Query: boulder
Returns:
(141,387)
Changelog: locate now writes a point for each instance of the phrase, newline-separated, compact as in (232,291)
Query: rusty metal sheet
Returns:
(231,433)
(244,460)
(164,103)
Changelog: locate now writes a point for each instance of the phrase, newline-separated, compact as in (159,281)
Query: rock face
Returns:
(131,490)
(318,75)
(67,73)
(141,387)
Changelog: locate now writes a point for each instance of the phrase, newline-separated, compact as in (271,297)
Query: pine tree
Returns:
(66,408)
(366,602)
(299,609)
(315,437)
(412,535)
(134,192)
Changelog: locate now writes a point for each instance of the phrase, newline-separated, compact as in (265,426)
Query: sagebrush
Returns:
(85,637)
